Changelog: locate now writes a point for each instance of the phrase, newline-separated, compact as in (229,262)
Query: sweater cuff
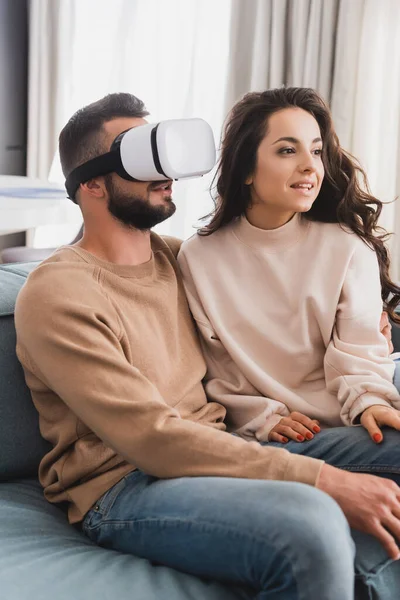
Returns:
(303,469)
(362,403)
(263,432)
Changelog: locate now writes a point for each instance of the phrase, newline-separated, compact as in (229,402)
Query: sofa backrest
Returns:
(21,445)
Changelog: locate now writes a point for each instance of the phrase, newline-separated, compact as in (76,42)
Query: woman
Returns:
(288,280)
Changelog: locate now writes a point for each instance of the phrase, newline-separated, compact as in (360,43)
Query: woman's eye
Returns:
(316,152)
(286,151)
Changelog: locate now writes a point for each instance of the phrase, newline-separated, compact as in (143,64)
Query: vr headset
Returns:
(174,149)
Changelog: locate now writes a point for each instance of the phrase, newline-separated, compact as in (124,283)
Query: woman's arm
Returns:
(357,367)
(248,412)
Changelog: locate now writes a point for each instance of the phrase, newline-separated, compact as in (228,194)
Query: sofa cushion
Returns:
(21,444)
(42,557)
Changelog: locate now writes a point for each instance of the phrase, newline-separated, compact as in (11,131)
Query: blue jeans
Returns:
(351,448)
(284,540)
(273,540)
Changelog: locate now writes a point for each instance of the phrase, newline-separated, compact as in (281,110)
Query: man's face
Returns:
(141,205)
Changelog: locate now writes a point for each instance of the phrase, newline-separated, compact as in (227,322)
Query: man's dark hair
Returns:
(84,138)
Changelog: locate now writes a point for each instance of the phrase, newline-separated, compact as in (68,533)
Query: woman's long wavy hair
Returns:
(342,199)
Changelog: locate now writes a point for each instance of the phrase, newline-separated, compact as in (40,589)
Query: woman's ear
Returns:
(249,180)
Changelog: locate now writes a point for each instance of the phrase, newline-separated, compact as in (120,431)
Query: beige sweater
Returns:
(113,361)
(289,321)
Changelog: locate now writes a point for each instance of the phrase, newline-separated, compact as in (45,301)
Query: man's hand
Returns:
(386,328)
(370,504)
(295,427)
(375,416)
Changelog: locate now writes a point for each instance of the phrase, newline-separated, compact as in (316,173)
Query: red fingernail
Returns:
(300,438)
(316,429)
(309,435)
(377,437)
(284,440)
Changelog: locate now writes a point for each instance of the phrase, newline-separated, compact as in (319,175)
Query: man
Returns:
(143,461)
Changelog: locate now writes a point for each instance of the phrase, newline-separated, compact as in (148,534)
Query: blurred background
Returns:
(188,58)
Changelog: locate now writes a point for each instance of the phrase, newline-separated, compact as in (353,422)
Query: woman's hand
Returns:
(375,416)
(295,427)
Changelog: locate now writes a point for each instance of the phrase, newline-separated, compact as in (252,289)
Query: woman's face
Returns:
(289,170)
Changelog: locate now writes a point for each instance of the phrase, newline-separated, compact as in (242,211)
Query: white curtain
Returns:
(349,50)
(50,38)
(51,35)
(172,54)
(366,100)
(281,42)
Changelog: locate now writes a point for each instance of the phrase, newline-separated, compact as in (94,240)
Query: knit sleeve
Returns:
(248,412)
(357,367)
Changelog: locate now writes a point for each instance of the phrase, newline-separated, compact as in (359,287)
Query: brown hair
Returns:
(83,136)
(342,199)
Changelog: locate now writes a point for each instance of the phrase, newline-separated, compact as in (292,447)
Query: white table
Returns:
(26,203)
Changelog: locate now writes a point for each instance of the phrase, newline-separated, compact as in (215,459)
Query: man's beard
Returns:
(136,211)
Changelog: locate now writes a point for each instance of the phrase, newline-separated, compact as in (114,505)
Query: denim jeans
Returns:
(275,540)
(284,540)
(351,448)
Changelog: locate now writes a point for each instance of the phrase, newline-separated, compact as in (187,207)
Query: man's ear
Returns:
(94,188)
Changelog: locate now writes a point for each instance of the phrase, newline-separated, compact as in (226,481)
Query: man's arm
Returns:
(75,346)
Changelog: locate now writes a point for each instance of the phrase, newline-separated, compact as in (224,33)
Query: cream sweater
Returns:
(289,321)
(112,359)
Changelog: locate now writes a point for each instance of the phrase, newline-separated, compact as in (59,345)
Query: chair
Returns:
(22,254)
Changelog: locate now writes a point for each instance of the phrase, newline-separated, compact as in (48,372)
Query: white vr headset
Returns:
(174,149)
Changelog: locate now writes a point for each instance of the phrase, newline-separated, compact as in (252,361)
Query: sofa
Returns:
(42,557)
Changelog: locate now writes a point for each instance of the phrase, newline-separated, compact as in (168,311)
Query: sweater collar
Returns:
(271,240)
(145,271)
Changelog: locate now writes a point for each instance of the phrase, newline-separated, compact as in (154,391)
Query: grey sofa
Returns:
(42,557)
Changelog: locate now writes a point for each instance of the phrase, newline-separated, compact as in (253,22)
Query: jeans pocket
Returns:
(103,506)
(106,502)
(102,511)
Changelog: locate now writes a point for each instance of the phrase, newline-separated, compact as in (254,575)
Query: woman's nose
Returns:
(307,165)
